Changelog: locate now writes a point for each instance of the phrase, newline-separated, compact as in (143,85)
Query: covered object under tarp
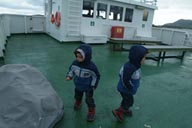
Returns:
(27,99)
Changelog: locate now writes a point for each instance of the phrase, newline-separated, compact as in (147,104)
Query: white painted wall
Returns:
(135,28)
(144,28)
(51,28)
(66,33)
(2,36)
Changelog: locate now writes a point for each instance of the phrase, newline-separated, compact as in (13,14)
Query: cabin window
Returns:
(88,8)
(145,15)
(128,15)
(101,11)
(116,13)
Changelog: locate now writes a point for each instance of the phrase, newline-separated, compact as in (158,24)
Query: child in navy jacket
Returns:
(85,76)
(129,80)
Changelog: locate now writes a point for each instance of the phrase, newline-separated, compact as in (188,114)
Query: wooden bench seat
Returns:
(118,44)
(163,49)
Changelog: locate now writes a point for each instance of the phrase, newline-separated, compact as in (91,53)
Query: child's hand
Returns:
(93,88)
(68,78)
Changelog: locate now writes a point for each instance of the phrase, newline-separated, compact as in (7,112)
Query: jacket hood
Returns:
(86,52)
(136,53)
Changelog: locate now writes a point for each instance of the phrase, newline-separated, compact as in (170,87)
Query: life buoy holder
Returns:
(58,19)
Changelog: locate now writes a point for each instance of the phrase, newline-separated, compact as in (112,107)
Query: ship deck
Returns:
(162,101)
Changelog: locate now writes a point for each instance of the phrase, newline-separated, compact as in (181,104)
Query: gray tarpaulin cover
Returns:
(27,99)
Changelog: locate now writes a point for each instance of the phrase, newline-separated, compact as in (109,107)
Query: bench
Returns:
(93,39)
(153,47)
(118,44)
(163,49)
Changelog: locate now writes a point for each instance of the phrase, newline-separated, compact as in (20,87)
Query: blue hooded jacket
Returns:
(130,74)
(85,74)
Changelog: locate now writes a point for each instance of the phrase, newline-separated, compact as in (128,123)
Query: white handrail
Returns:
(150,2)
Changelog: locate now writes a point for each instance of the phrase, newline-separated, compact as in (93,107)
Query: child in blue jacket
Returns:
(85,76)
(129,80)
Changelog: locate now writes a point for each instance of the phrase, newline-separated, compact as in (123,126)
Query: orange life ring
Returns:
(52,18)
(58,19)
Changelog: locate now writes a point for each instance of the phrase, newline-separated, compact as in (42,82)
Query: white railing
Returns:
(150,2)
(172,36)
(188,40)
(13,24)
(25,24)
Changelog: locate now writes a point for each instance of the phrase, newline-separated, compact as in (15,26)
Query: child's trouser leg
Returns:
(91,105)
(78,98)
(126,103)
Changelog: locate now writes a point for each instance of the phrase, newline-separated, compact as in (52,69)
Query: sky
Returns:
(28,7)
(172,10)
(168,10)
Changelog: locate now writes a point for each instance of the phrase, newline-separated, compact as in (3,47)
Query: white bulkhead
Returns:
(91,21)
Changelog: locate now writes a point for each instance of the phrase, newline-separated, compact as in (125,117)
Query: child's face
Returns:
(79,57)
(143,60)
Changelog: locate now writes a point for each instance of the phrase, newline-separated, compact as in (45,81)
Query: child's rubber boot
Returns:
(77,105)
(128,113)
(91,115)
(118,113)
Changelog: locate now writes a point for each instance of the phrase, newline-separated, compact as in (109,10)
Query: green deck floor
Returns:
(164,99)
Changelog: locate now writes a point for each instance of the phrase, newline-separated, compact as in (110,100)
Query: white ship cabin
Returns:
(95,21)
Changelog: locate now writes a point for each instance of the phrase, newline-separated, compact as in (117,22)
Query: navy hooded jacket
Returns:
(85,74)
(130,73)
